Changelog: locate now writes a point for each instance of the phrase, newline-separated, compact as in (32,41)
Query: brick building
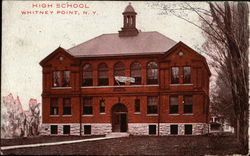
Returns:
(142,83)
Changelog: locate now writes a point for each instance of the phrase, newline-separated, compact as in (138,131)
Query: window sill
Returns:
(182,84)
(137,112)
(66,115)
(152,114)
(188,114)
(102,113)
(61,88)
(53,115)
(174,114)
(87,115)
(121,86)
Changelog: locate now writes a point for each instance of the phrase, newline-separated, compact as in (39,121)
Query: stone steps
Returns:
(117,134)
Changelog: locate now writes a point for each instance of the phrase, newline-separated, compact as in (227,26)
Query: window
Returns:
(66,129)
(87,75)
(152,105)
(87,129)
(119,70)
(187,75)
(54,106)
(66,106)
(175,75)
(173,104)
(188,129)
(53,129)
(188,104)
(87,105)
(102,106)
(61,78)
(137,105)
(152,129)
(173,129)
(56,79)
(136,73)
(103,75)
(152,73)
(66,79)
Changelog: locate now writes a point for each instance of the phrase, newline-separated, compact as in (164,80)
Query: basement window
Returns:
(152,129)
(87,129)
(173,129)
(66,129)
(188,129)
(53,129)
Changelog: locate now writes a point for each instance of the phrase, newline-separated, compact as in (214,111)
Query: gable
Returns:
(58,56)
(181,54)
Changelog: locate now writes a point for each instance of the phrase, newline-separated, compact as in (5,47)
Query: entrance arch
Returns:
(119,118)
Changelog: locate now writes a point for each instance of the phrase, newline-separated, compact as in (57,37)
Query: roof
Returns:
(129,8)
(112,45)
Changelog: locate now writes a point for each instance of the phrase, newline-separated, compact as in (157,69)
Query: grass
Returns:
(139,145)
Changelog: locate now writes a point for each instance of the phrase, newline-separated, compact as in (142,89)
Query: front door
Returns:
(119,118)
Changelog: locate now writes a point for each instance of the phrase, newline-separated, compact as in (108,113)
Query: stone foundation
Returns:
(96,129)
(133,128)
(143,128)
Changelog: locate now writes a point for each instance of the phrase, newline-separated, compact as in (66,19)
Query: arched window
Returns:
(103,75)
(152,73)
(87,75)
(135,70)
(119,70)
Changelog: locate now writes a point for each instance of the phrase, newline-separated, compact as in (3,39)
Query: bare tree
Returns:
(19,123)
(225,27)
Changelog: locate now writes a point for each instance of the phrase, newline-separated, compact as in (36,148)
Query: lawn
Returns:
(138,145)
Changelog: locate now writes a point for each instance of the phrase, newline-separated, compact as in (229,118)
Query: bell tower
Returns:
(129,22)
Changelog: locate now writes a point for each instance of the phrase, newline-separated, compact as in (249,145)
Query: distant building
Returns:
(219,125)
(142,83)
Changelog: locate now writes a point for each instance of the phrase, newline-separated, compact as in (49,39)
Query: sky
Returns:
(29,38)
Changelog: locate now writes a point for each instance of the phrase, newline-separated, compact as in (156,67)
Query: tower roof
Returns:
(129,8)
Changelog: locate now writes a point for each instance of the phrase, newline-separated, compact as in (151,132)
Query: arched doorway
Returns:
(119,118)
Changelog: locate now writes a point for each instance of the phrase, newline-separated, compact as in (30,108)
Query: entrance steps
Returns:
(117,134)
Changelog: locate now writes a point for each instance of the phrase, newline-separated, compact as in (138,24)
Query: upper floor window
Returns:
(103,75)
(152,73)
(173,105)
(119,70)
(66,106)
(54,106)
(175,75)
(66,79)
(135,70)
(87,105)
(152,105)
(187,74)
(87,79)
(61,78)
(188,104)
